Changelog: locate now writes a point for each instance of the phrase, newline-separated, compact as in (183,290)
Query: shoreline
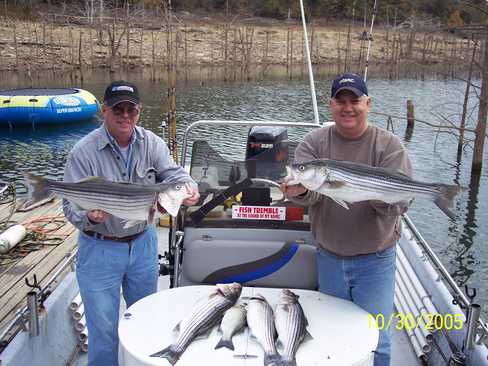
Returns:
(237,47)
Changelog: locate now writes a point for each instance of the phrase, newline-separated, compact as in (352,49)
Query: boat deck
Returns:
(43,257)
(50,239)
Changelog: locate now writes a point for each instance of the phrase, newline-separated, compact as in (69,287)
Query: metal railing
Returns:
(21,314)
(459,294)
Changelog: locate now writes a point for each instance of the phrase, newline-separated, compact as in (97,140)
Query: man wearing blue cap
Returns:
(356,254)
(112,257)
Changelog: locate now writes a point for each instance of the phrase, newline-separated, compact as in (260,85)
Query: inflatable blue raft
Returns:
(34,107)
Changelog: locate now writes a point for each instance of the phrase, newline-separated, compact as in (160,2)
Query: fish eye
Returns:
(301,168)
(178,187)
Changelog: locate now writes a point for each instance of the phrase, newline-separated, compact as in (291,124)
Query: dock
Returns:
(49,241)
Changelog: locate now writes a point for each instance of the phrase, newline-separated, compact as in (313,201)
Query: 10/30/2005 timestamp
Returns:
(409,321)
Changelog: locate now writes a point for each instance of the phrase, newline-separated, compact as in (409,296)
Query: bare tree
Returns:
(482,114)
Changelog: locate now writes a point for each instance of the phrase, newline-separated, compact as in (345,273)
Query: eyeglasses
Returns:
(132,111)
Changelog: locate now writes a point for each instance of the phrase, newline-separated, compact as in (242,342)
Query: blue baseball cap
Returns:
(351,82)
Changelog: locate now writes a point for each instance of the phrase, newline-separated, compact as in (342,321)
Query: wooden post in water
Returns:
(482,113)
(410,116)
(465,104)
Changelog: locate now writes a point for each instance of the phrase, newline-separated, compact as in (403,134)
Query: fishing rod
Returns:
(370,39)
(309,63)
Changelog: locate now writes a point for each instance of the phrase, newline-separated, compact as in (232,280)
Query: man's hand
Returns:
(195,195)
(97,216)
(292,190)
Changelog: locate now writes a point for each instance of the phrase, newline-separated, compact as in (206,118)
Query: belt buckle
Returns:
(99,236)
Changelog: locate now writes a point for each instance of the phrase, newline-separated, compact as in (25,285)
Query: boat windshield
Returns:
(214,172)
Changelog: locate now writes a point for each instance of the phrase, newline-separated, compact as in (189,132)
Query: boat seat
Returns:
(263,263)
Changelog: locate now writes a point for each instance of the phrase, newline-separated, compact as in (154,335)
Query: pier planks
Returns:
(43,262)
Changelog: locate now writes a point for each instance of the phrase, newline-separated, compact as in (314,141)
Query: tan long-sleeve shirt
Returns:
(367,226)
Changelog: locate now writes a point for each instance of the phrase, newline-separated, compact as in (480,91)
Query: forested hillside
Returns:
(389,12)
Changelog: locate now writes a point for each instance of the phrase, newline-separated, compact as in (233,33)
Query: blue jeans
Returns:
(103,267)
(366,280)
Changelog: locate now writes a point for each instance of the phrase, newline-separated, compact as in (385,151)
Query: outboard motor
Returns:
(266,158)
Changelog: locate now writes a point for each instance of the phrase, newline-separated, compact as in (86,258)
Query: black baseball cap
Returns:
(351,82)
(121,91)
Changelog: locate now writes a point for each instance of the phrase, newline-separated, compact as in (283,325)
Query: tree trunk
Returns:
(482,112)
(465,105)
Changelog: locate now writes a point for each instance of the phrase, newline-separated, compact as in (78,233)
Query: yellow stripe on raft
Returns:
(23,101)
(87,96)
(42,100)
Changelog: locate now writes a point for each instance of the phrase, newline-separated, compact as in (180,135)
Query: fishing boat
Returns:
(40,107)
(265,243)
(243,230)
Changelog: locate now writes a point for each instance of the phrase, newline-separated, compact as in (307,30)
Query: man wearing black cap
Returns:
(356,254)
(110,255)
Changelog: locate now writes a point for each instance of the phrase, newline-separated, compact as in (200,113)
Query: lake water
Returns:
(460,243)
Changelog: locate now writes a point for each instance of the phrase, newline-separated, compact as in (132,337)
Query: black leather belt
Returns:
(123,239)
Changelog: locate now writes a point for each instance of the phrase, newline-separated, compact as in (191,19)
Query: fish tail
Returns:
(37,188)
(272,360)
(169,354)
(227,343)
(443,199)
(282,362)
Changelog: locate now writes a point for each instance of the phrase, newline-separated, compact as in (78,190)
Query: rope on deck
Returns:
(8,197)
(40,234)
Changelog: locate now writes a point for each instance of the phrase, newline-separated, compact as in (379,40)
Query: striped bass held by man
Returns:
(134,202)
(350,182)
(204,315)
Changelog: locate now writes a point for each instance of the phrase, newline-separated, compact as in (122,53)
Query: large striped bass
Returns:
(345,181)
(261,323)
(201,319)
(291,325)
(129,201)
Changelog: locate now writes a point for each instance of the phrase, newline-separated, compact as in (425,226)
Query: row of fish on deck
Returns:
(288,321)
(344,182)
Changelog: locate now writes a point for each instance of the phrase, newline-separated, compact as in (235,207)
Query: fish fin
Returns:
(37,188)
(176,329)
(168,354)
(340,202)
(93,179)
(170,204)
(307,336)
(279,345)
(152,212)
(227,343)
(445,196)
(272,360)
(336,184)
(287,363)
